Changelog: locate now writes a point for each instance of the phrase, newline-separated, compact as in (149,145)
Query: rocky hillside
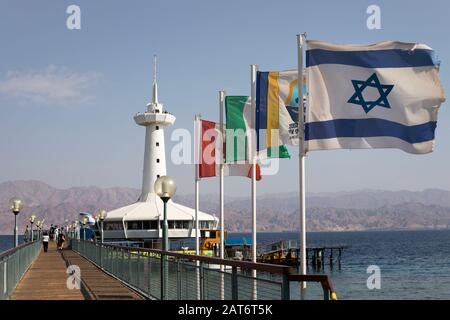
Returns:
(357,210)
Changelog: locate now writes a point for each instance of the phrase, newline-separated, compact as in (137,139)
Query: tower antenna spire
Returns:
(154,68)
(155,85)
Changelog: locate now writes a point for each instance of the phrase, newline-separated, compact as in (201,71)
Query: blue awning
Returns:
(238,241)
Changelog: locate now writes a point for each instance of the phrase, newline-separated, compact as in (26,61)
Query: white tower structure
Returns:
(154,120)
(141,221)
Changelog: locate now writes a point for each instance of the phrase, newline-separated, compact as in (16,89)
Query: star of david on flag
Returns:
(374,82)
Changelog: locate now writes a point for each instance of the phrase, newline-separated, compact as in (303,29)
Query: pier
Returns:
(115,272)
(46,279)
(287,252)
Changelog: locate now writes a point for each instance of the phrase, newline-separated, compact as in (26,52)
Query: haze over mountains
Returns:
(339,211)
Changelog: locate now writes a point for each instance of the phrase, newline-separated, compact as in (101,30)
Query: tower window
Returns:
(157,176)
(157,160)
(157,127)
(157,144)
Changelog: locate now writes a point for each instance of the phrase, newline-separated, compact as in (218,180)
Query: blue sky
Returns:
(81,131)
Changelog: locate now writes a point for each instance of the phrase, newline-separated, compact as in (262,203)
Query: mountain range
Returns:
(332,211)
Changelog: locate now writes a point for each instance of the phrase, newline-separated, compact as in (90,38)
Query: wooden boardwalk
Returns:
(99,285)
(46,280)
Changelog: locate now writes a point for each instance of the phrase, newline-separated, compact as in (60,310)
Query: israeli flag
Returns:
(385,95)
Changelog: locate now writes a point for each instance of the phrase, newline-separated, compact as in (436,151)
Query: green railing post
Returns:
(110,252)
(111,259)
(285,288)
(178,279)
(101,256)
(120,265)
(234,283)
(202,281)
(326,295)
(163,277)
(326,291)
(149,271)
(138,273)
(130,272)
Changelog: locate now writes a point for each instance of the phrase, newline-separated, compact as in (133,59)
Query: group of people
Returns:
(54,234)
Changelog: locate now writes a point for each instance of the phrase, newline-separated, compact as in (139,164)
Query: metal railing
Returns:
(13,265)
(191,277)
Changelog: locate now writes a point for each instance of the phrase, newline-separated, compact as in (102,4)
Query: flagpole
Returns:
(253,70)
(197,181)
(198,157)
(222,94)
(221,166)
(302,153)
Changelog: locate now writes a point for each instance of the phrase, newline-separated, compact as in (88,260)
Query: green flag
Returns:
(238,124)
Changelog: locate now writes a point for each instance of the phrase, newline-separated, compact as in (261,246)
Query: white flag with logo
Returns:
(385,95)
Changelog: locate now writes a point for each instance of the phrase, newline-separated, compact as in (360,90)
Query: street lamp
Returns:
(73,229)
(77,229)
(102,216)
(39,226)
(84,222)
(165,188)
(32,218)
(15,204)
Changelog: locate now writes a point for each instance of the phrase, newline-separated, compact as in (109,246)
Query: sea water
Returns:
(412,264)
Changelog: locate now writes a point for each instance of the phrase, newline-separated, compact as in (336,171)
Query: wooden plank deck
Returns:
(100,285)
(46,280)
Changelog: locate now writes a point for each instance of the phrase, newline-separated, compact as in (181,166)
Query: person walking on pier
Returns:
(45,239)
(26,235)
(56,234)
(61,239)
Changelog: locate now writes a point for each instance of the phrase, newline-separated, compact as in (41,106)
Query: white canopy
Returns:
(153,209)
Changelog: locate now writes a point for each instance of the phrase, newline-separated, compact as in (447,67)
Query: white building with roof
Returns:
(143,220)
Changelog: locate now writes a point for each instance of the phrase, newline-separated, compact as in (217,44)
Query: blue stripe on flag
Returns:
(392,58)
(262,83)
(363,128)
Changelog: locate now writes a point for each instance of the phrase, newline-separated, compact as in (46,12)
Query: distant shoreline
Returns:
(343,231)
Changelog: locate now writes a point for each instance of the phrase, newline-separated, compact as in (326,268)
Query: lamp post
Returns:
(38,225)
(41,226)
(165,188)
(84,222)
(77,229)
(32,218)
(102,216)
(73,230)
(15,204)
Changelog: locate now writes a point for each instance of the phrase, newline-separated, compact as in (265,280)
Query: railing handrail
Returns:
(12,250)
(322,278)
(266,267)
(286,272)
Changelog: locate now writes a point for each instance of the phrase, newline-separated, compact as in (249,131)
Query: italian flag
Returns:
(211,154)
(239,133)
